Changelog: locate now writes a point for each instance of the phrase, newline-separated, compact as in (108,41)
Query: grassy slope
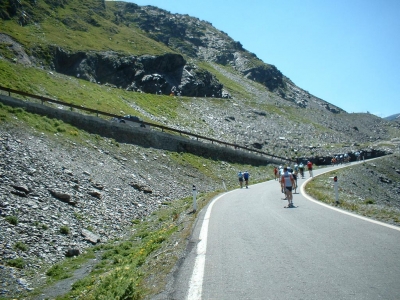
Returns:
(81,92)
(81,26)
(104,35)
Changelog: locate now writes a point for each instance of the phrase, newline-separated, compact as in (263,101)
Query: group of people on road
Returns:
(244,176)
(286,176)
(340,159)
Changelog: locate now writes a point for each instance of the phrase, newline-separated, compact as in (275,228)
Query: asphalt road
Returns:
(246,245)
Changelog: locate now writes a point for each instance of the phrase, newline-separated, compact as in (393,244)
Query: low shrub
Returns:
(64,230)
(12,220)
(16,263)
(20,246)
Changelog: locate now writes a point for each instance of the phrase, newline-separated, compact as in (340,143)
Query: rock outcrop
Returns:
(164,74)
(200,40)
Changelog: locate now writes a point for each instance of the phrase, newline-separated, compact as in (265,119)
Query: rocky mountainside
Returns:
(259,107)
(59,197)
(192,40)
(199,40)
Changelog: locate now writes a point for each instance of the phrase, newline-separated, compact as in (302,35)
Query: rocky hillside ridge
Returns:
(249,124)
(200,40)
(271,113)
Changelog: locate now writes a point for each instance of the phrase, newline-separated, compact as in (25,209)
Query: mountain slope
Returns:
(393,117)
(225,91)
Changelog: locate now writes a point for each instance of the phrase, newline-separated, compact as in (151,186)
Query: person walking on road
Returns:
(246,177)
(310,166)
(294,174)
(287,183)
(280,172)
(301,169)
(276,173)
(240,176)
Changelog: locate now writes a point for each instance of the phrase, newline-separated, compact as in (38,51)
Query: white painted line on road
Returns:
(303,192)
(196,281)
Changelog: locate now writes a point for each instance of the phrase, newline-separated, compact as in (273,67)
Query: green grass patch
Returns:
(39,125)
(40,225)
(12,220)
(66,89)
(369,201)
(64,230)
(57,272)
(236,89)
(20,246)
(18,263)
(87,25)
(127,266)
(83,93)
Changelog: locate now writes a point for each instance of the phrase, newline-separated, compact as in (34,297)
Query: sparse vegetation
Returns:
(58,272)
(12,220)
(355,193)
(16,263)
(64,230)
(126,265)
(40,225)
(21,246)
(369,201)
(78,216)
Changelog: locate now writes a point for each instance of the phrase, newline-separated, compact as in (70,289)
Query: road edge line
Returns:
(303,192)
(196,280)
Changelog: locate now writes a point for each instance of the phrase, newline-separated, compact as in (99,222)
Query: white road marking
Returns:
(303,192)
(196,281)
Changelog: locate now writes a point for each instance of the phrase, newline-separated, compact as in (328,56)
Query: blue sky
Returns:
(346,52)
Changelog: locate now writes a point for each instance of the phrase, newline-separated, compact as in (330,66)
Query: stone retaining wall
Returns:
(142,136)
